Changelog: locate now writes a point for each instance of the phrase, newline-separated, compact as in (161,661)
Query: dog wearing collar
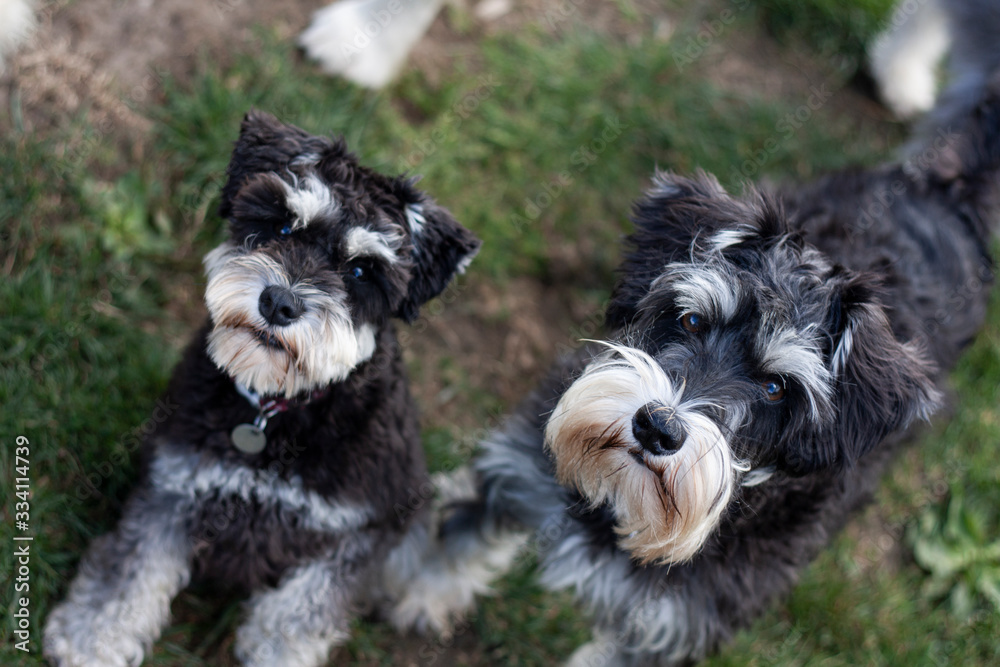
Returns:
(294,439)
(765,355)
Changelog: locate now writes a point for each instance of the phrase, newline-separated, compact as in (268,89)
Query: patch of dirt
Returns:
(107,57)
(493,341)
(776,73)
(453,36)
(877,544)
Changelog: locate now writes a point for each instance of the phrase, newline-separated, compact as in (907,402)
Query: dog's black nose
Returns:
(657,429)
(279,305)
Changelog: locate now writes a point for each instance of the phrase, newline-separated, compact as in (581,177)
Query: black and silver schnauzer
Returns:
(295,441)
(766,354)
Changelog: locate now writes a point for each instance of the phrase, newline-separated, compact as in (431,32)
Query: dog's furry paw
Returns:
(72,639)
(367,41)
(602,651)
(434,582)
(258,646)
(432,604)
(444,589)
(905,57)
(17,21)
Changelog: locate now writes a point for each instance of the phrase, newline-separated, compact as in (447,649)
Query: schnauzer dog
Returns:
(765,356)
(295,439)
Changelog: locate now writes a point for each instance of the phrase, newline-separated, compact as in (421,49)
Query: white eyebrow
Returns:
(309,198)
(787,353)
(361,242)
(704,290)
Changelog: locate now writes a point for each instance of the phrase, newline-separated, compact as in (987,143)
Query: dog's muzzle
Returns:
(624,434)
(278,336)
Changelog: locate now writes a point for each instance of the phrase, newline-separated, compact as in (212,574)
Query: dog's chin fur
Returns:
(321,347)
(665,506)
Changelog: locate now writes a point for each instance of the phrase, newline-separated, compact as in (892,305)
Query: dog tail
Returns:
(957,145)
(974,58)
(967,111)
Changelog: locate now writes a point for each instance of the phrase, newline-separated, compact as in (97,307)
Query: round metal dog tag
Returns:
(248,439)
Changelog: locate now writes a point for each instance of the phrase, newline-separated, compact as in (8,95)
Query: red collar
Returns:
(267,407)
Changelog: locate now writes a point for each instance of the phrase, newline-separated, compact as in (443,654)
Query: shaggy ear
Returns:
(266,144)
(442,248)
(674,213)
(881,384)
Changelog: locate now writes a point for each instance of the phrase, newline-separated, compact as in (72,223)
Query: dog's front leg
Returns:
(473,548)
(663,631)
(297,623)
(601,651)
(120,599)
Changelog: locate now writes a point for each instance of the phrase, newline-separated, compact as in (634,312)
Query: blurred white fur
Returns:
(17,20)
(367,41)
(905,56)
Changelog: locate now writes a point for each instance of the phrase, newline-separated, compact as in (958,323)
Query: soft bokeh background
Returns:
(537,129)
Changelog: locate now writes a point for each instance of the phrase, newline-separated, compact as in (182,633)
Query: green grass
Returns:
(832,28)
(539,142)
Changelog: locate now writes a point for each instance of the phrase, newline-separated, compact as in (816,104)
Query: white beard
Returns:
(319,347)
(665,506)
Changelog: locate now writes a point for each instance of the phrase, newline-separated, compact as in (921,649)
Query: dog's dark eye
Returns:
(694,322)
(773,389)
(285,230)
(359,271)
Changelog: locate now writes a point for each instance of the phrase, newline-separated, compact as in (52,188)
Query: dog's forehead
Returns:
(310,200)
(771,288)
(321,191)
(725,290)
(344,202)
(773,295)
